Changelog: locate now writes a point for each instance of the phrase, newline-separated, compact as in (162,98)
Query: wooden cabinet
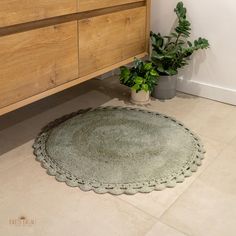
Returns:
(20,11)
(86,5)
(62,44)
(37,60)
(111,38)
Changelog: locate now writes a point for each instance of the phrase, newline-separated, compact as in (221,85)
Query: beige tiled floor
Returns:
(204,205)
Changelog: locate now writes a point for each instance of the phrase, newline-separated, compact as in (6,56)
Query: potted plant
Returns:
(141,78)
(169,53)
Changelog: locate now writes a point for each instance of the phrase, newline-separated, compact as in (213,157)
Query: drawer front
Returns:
(20,11)
(86,5)
(109,39)
(37,60)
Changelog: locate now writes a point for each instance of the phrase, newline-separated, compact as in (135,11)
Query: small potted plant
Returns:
(141,78)
(169,53)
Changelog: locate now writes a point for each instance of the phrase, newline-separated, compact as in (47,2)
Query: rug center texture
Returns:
(114,146)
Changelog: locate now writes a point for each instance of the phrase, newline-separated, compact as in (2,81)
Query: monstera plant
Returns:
(172,52)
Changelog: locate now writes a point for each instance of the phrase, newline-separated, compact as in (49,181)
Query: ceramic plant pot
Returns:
(166,88)
(140,98)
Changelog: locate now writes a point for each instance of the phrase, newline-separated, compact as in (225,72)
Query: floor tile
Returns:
(26,190)
(216,123)
(232,144)
(15,156)
(208,207)
(164,230)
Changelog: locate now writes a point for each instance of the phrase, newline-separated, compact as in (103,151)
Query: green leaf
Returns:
(157,40)
(190,44)
(148,66)
(180,10)
(157,56)
(136,87)
(124,71)
(138,80)
(153,72)
(145,87)
(174,35)
(201,43)
(159,66)
(171,71)
(137,62)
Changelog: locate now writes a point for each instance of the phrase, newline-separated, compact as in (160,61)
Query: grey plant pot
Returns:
(166,88)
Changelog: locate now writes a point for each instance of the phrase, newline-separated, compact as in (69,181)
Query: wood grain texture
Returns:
(67,85)
(19,11)
(87,5)
(108,39)
(12,29)
(37,60)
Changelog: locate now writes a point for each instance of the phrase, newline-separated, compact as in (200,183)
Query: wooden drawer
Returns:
(109,39)
(86,5)
(20,11)
(37,60)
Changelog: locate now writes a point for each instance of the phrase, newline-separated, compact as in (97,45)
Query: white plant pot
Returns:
(140,98)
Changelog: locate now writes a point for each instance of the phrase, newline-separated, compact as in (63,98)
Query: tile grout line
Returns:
(178,230)
(147,213)
(171,226)
(152,216)
(209,165)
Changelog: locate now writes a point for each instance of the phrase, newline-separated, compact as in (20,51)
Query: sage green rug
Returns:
(118,150)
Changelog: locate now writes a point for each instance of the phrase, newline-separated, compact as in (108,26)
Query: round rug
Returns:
(118,150)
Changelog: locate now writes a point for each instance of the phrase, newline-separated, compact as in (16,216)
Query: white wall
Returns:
(212,73)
